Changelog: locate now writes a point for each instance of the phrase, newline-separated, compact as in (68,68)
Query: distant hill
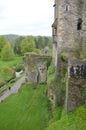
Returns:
(11,36)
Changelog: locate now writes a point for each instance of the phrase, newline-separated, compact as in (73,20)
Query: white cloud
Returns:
(25,17)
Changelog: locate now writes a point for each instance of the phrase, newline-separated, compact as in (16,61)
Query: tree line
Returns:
(21,45)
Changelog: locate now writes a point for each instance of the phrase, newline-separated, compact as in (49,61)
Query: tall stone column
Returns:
(84,27)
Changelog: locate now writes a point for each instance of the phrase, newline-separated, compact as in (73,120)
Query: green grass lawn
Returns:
(11,63)
(27,110)
(10,84)
(6,71)
(75,120)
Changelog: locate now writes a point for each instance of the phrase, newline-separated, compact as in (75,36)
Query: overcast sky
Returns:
(26,17)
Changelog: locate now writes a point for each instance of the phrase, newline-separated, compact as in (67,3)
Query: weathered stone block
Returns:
(76,85)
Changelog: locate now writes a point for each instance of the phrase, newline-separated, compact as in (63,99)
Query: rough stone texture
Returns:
(69,27)
(36,68)
(52,97)
(84,27)
(54,53)
(76,86)
(69,33)
(45,51)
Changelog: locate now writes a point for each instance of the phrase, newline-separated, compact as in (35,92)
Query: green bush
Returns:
(7,70)
(2,82)
(51,69)
(64,55)
(19,67)
(7,53)
(6,73)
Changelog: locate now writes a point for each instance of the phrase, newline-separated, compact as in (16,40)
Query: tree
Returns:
(17,45)
(3,42)
(39,42)
(28,44)
(43,41)
(7,52)
(47,41)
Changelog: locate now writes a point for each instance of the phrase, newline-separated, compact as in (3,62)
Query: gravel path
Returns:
(14,89)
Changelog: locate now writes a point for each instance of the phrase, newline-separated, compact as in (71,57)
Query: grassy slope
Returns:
(10,63)
(6,76)
(75,120)
(27,110)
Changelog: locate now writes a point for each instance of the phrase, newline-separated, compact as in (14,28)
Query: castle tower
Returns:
(68,26)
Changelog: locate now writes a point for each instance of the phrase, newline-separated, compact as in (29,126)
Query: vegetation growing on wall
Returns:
(51,73)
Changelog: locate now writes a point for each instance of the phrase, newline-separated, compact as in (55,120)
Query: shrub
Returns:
(7,53)
(51,77)
(19,67)
(2,82)
(7,70)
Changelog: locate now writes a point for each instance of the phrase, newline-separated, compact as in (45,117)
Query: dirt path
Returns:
(14,89)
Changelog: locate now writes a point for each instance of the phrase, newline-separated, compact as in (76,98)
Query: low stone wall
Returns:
(36,68)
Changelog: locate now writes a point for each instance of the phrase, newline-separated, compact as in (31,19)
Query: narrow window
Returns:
(54,5)
(67,7)
(79,24)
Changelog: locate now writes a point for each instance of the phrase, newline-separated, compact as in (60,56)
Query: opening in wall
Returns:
(79,24)
(67,7)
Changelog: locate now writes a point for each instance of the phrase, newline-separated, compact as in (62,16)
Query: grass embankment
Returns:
(27,110)
(13,63)
(75,120)
(10,84)
(7,70)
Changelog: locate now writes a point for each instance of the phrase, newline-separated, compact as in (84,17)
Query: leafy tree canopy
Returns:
(17,45)
(28,44)
(7,52)
(43,41)
(3,42)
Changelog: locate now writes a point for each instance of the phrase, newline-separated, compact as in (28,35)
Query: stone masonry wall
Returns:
(36,68)
(67,24)
(84,27)
(76,85)
(69,33)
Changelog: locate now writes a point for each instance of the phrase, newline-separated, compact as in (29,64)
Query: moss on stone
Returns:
(32,66)
(64,55)
(51,74)
(84,94)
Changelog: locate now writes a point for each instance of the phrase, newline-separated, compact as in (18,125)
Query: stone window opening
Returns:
(67,7)
(54,5)
(38,77)
(79,24)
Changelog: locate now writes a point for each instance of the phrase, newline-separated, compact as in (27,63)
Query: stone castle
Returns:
(69,34)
